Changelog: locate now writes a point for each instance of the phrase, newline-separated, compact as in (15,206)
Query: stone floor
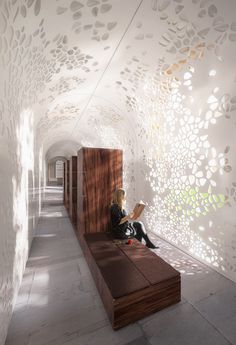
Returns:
(58,303)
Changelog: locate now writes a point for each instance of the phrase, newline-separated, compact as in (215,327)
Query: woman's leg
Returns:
(138,230)
(142,233)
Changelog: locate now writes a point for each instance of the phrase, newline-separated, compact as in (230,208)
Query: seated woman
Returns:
(122,228)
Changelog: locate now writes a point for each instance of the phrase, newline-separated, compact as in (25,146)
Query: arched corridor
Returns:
(154,78)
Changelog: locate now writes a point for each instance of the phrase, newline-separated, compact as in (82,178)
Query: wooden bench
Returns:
(133,282)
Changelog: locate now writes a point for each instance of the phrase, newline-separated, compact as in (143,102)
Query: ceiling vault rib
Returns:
(108,64)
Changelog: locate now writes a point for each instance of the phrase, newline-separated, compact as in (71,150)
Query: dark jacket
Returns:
(121,231)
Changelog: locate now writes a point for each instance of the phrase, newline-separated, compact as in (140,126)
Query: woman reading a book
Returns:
(122,228)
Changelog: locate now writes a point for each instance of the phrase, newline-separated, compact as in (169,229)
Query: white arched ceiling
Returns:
(153,77)
(64,149)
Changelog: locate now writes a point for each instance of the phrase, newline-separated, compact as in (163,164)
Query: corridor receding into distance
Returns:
(155,80)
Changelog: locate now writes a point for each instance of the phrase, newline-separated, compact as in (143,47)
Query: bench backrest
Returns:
(99,173)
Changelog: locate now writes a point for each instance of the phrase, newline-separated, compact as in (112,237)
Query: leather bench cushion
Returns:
(152,267)
(120,274)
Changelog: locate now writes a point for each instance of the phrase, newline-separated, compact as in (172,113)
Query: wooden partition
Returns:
(73,190)
(64,184)
(67,184)
(99,173)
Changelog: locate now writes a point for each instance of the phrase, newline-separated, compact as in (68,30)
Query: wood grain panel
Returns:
(99,174)
(99,281)
(67,184)
(73,190)
(144,303)
(64,184)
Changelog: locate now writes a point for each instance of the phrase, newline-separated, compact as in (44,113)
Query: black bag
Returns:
(124,231)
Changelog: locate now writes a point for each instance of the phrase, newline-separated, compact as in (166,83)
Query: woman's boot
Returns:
(149,243)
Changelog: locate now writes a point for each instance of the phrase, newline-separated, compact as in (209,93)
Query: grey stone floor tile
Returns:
(83,266)
(87,284)
(210,284)
(55,275)
(68,329)
(106,335)
(22,339)
(188,339)
(42,261)
(19,307)
(60,295)
(228,328)
(66,332)
(63,263)
(220,310)
(48,314)
(139,341)
(183,325)
(220,306)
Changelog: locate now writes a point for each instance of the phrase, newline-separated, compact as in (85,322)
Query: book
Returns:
(138,209)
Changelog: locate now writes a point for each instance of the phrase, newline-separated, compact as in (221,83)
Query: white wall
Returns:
(18,207)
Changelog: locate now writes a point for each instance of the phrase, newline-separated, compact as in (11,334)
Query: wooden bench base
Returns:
(136,306)
(133,282)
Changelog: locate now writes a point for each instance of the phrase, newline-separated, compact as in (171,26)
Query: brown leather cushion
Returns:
(120,274)
(152,267)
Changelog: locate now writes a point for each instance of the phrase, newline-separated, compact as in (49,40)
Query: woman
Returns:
(121,227)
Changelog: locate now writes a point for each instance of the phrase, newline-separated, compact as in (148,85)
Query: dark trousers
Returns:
(141,233)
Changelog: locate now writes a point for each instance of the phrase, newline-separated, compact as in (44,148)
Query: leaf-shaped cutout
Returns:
(203,32)
(75,6)
(23,11)
(227,149)
(233,26)
(30,3)
(37,7)
(212,10)
(99,24)
(202,13)
(105,8)
(61,10)
(163,5)
(3,23)
(227,168)
(178,9)
(154,5)
(91,3)
(110,26)
(222,27)
(95,11)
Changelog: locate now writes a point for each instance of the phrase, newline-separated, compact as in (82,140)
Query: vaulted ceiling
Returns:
(100,72)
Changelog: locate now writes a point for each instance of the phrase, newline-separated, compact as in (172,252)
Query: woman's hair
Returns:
(118,197)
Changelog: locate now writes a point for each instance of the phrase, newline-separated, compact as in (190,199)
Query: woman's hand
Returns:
(129,216)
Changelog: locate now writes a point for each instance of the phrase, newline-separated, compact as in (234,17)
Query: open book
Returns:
(138,209)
